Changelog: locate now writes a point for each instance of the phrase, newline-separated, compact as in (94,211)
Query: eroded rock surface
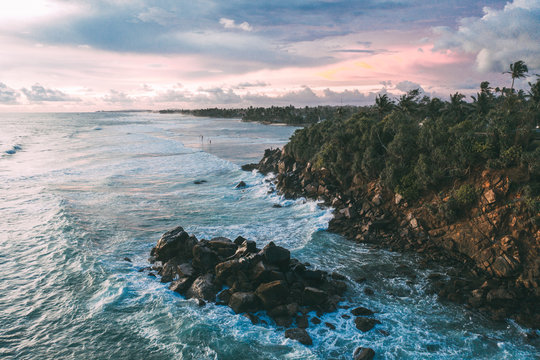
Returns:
(248,279)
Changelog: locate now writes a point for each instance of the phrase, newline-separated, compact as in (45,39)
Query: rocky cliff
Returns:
(484,231)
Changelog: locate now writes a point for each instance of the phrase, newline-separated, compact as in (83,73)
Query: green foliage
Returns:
(417,144)
(408,187)
(276,114)
(466,195)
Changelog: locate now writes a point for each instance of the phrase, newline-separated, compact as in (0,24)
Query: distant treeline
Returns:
(277,114)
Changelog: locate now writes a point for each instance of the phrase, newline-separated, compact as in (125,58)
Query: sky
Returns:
(88,55)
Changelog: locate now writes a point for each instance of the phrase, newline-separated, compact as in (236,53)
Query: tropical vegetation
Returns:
(417,144)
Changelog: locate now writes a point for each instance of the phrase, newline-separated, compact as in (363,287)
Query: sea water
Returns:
(81,192)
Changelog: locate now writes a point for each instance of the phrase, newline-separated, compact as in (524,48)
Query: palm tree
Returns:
(517,71)
(383,104)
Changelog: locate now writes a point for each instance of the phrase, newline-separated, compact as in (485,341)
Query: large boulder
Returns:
(299,335)
(365,324)
(173,243)
(314,276)
(204,258)
(245,247)
(203,288)
(181,285)
(185,270)
(223,247)
(228,268)
(169,271)
(314,296)
(262,272)
(276,255)
(361,311)
(362,353)
(244,302)
(273,293)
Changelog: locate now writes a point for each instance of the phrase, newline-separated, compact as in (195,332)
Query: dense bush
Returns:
(417,144)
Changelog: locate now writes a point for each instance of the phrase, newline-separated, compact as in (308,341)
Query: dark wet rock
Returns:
(435,276)
(244,302)
(330,326)
(199,182)
(240,282)
(273,293)
(365,324)
(283,321)
(339,286)
(240,185)
(299,335)
(276,255)
(302,321)
(360,280)
(245,247)
(227,268)
(127,259)
(181,285)
(146,268)
(204,258)
(223,247)
(432,347)
(257,280)
(532,335)
(151,274)
(173,243)
(383,332)
(223,297)
(239,240)
(283,310)
(315,320)
(253,318)
(185,270)
(277,206)
(314,276)
(263,272)
(361,311)
(313,296)
(369,291)
(203,288)
(362,353)
(345,316)
(169,271)
(338,276)
(249,167)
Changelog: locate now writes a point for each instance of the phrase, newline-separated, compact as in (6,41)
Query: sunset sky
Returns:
(86,55)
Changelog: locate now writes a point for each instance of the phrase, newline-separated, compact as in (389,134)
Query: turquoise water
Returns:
(79,192)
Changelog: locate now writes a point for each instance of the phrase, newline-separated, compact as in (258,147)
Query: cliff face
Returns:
(491,241)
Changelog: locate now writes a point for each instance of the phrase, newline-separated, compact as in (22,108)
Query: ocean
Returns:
(80,192)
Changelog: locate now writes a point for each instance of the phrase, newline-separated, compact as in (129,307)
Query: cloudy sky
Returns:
(86,55)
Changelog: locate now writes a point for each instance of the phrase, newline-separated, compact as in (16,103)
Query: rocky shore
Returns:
(254,282)
(492,249)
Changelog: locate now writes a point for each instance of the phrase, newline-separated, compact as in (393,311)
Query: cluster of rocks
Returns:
(494,250)
(248,280)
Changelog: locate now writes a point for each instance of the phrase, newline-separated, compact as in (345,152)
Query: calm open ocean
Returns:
(79,192)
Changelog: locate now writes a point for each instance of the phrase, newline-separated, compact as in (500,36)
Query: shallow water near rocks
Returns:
(80,192)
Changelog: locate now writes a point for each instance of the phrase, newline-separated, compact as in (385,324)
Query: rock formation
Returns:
(492,247)
(249,280)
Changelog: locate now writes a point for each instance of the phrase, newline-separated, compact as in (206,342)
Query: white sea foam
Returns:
(76,201)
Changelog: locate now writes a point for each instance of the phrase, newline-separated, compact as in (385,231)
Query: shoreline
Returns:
(488,275)
(255,282)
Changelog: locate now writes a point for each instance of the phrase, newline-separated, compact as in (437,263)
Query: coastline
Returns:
(490,271)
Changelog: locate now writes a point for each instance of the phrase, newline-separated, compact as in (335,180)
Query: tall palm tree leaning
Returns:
(517,71)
